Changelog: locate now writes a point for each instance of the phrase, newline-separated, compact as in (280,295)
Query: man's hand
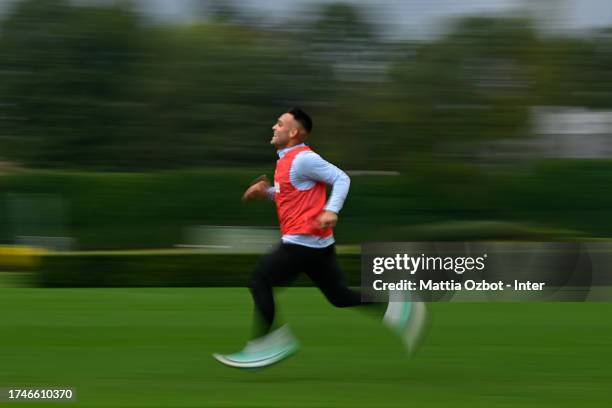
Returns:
(258,189)
(327,219)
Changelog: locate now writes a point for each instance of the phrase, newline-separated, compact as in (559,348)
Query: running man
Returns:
(307,246)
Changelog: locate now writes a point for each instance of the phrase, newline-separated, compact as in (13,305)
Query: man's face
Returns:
(286,131)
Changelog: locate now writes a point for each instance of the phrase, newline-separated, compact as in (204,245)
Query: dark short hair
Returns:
(302,117)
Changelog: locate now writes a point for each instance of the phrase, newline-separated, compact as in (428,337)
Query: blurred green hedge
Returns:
(152,210)
(163,269)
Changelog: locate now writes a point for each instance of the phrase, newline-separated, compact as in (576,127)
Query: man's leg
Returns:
(279,267)
(408,319)
(325,272)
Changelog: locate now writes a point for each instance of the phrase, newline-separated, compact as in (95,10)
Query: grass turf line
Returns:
(152,348)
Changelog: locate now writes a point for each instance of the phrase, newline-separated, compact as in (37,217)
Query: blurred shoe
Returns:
(408,319)
(264,351)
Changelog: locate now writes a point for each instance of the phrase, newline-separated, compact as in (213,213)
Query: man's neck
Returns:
(287,149)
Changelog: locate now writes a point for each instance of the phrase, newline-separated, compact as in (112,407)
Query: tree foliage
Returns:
(102,87)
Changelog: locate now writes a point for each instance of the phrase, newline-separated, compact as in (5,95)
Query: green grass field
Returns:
(152,348)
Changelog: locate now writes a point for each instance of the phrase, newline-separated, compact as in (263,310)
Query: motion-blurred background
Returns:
(138,124)
(129,131)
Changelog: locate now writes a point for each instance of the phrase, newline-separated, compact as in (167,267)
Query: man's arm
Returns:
(309,167)
(260,189)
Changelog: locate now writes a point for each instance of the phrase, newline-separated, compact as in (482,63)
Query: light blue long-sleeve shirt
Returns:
(307,169)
